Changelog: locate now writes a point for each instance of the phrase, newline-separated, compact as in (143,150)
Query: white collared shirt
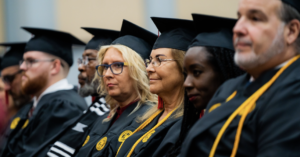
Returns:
(60,85)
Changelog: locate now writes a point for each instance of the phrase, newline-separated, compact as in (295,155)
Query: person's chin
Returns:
(15,95)
(198,105)
(154,89)
(113,93)
(24,84)
(24,88)
(81,83)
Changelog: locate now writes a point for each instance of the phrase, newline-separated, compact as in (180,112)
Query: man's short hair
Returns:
(288,13)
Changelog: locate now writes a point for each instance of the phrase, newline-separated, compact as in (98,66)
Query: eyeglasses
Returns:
(29,62)
(116,68)
(85,61)
(8,79)
(156,61)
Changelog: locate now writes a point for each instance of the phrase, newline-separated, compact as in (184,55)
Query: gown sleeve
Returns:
(47,122)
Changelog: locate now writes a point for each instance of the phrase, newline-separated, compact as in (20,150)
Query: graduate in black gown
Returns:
(3,111)
(88,62)
(165,71)
(73,135)
(256,114)
(122,75)
(207,64)
(46,62)
(11,77)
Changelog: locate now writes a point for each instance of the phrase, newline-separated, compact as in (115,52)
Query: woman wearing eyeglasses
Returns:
(122,76)
(207,64)
(165,71)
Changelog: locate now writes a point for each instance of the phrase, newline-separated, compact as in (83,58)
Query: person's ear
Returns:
(56,66)
(292,30)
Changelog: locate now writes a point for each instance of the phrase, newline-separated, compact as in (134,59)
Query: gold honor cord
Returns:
(246,106)
(150,131)
(149,120)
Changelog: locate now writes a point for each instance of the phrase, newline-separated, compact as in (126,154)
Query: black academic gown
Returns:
(149,145)
(169,140)
(14,128)
(71,137)
(271,129)
(52,112)
(110,132)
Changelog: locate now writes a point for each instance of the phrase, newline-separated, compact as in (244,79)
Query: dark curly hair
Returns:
(222,61)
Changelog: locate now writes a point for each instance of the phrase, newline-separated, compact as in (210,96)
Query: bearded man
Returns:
(14,98)
(45,65)
(76,132)
(256,114)
(11,76)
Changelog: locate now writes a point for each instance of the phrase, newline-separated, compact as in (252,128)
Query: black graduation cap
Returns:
(13,55)
(294,3)
(213,31)
(101,37)
(56,43)
(137,38)
(175,33)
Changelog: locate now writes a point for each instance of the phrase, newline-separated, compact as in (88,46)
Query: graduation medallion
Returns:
(125,134)
(145,139)
(100,145)
(14,123)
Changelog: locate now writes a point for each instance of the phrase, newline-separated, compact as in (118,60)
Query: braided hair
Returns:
(222,61)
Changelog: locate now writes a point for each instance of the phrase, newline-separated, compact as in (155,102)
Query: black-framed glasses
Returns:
(116,68)
(85,61)
(29,62)
(156,61)
(8,79)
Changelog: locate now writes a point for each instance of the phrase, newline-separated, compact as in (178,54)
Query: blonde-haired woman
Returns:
(165,71)
(122,76)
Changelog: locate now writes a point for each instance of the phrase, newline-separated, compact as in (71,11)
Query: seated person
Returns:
(165,71)
(122,76)
(46,62)
(208,63)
